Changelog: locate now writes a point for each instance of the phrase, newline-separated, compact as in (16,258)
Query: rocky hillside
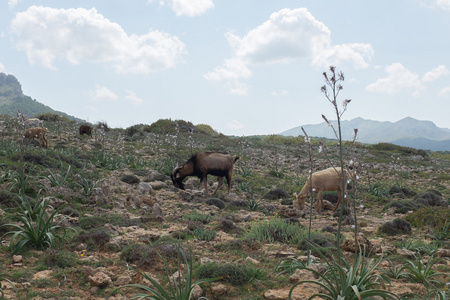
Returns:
(123,222)
(12,99)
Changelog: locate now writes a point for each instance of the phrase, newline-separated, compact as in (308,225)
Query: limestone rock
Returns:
(100,279)
(43,275)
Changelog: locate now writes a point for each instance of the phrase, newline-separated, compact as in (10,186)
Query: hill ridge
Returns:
(405,132)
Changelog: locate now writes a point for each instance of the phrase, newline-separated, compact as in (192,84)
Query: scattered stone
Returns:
(251,260)
(158,185)
(363,242)
(17,259)
(46,274)
(122,280)
(145,187)
(218,290)
(100,279)
(157,211)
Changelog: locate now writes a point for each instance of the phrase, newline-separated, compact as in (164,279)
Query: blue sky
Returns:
(243,67)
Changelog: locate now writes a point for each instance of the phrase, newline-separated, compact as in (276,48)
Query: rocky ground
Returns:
(136,203)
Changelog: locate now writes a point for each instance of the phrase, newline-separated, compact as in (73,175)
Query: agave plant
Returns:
(37,228)
(423,272)
(346,281)
(176,289)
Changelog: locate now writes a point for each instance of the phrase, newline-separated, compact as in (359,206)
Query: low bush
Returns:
(397,226)
(429,216)
(235,274)
(95,238)
(130,179)
(275,230)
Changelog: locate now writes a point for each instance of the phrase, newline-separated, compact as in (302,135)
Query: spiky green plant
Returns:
(344,280)
(421,272)
(37,228)
(59,179)
(180,288)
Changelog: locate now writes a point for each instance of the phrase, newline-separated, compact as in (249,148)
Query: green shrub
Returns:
(198,217)
(140,254)
(397,226)
(275,230)
(321,239)
(403,206)
(94,238)
(206,129)
(235,274)
(429,216)
(130,179)
(59,258)
(203,234)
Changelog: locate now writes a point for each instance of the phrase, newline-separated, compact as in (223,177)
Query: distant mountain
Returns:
(13,99)
(406,132)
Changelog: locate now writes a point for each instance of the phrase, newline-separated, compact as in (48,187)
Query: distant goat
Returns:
(201,164)
(34,122)
(36,133)
(85,129)
(326,180)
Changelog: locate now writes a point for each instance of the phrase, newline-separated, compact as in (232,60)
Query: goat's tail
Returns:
(236,158)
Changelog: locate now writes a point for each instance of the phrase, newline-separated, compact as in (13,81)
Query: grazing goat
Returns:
(85,129)
(326,180)
(36,133)
(201,164)
(34,122)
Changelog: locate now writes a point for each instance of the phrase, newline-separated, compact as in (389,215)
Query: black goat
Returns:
(201,164)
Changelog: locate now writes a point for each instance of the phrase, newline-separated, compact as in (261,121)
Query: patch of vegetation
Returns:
(140,254)
(203,234)
(195,216)
(397,226)
(60,259)
(95,238)
(429,216)
(275,230)
(88,223)
(235,274)
(130,179)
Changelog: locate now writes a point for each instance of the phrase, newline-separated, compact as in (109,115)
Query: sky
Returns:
(244,67)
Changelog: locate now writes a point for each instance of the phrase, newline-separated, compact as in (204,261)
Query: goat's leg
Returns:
(220,180)
(204,183)
(319,204)
(339,200)
(229,182)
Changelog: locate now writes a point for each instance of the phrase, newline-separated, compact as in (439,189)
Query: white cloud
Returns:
(288,34)
(235,125)
(398,79)
(280,93)
(435,73)
(80,35)
(103,93)
(232,69)
(133,98)
(355,54)
(2,68)
(444,92)
(443,4)
(12,3)
(191,8)
(238,88)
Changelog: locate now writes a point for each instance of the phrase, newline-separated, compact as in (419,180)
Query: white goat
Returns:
(326,180)
(34,122)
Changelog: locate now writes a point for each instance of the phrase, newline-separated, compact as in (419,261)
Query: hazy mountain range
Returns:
(407,132)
